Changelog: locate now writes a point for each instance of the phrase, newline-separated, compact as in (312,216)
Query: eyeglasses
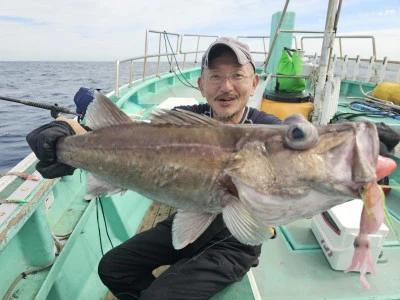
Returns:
(236,77)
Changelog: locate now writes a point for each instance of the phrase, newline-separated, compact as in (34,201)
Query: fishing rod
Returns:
(55,109)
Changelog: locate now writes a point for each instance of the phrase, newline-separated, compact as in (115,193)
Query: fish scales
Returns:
(158,162)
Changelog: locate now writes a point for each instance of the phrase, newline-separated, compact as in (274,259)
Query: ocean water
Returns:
(50,83)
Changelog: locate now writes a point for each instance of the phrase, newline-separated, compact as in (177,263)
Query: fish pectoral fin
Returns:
(243,226)
(188,226)
(95,187)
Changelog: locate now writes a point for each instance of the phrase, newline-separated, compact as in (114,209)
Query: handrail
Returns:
(256,37)
(264,38)
(340,37)
(178,49)
(197,51)
(159,49)
(265,52)
(145,57)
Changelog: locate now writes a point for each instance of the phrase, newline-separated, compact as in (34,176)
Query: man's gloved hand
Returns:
(43,141)
(388,139)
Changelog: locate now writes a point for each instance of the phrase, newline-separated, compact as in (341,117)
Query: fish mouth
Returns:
(365,153)
(384,167)
(368,165)
(359,161)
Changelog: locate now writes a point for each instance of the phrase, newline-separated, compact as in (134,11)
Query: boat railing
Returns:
(145,58)
(171,53)
(197,51)
(356,68)
(340,38)
(264,42)
(367,70)
(263,39)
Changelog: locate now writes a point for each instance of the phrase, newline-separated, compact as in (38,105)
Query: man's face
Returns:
(227,99)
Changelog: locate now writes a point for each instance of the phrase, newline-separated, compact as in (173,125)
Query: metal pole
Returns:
(197,50)
(334,31)
(327,45)
(173,57)
(159,52)
(117,80)
(145,56)
(130,73)
(276,35)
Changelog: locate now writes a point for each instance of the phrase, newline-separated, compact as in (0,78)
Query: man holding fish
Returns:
(237,180)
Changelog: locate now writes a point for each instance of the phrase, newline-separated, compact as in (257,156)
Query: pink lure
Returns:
(371,220)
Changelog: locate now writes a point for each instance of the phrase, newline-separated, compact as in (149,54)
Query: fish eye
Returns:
(301,136)
(296,133)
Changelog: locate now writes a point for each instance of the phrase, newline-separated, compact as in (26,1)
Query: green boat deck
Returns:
(292,266)
(349,93)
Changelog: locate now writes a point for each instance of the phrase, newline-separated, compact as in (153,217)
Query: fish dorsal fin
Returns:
(180,117)
(243,226)
(102,112)
(188,226)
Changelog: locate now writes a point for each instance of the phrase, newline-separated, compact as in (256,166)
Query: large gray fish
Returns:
(256,175)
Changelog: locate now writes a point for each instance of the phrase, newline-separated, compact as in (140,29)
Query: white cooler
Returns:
(336,229)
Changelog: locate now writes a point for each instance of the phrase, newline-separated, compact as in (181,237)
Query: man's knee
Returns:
(111,270)
(104,270)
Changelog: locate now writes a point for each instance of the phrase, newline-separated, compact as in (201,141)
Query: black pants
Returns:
(198,271)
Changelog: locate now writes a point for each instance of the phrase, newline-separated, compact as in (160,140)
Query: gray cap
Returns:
(241,50)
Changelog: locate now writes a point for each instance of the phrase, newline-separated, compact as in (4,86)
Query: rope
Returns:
(24,275)
(98,200)
(313,78)
(187,84)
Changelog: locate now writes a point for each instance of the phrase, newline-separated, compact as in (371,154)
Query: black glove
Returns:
(43,141)
(388,139)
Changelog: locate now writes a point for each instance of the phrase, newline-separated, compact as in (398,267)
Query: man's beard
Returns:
(224,117)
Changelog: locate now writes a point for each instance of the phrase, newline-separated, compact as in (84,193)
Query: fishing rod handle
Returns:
(55,107)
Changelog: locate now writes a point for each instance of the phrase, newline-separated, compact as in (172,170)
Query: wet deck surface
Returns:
(156,213)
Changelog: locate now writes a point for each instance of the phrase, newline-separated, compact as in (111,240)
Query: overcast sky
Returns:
(100,30)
